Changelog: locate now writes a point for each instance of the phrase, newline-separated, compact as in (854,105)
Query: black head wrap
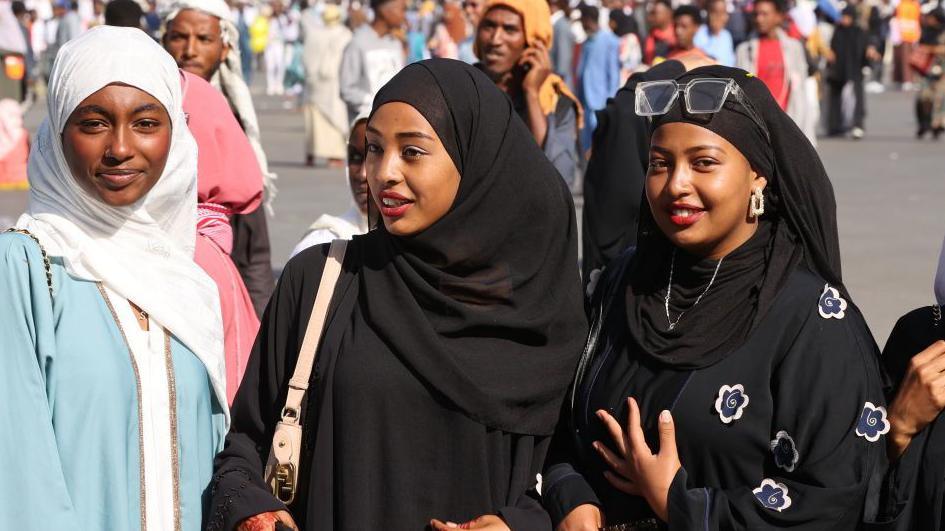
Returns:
(490,292)
(613,182)
(799,228)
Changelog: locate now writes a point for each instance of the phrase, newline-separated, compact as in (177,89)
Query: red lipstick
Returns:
(684,214)
(394,205)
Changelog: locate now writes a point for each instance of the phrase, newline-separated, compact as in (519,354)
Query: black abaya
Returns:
(772,378)
(790,368)
(447,353)
(914,491)
(382,449)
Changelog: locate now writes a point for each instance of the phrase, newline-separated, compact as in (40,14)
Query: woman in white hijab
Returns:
(112,393)
(355,221)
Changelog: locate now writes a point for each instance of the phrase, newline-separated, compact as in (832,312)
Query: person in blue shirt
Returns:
(598,71)
(713,38)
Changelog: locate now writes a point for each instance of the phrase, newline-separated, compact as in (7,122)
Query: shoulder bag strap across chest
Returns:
(282,469)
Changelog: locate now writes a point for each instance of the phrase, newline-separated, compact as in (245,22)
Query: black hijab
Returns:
(490,293)
(613,182)
(799,228)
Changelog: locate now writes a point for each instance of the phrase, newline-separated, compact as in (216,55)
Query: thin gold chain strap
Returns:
(42,250)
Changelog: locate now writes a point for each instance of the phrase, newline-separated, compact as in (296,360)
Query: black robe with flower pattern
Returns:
(786,431)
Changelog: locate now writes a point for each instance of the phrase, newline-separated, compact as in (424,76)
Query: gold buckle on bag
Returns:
(284,489)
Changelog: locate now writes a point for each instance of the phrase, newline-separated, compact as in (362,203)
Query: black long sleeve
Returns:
(238,489)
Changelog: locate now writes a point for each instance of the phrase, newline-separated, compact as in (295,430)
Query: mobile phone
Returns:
(526,66)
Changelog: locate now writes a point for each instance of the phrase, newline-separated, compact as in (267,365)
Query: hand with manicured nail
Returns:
(635,468)
(489,522)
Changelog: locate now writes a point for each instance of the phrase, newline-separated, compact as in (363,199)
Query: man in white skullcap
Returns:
(203,39)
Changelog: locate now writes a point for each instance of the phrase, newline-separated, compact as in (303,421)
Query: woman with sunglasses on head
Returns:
(728,381)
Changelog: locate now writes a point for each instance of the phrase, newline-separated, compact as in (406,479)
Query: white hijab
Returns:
(940,278)
(144,251)
(229,78)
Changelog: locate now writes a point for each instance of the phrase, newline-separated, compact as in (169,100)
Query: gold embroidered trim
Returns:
(175,452)
(172,397)
(142,497)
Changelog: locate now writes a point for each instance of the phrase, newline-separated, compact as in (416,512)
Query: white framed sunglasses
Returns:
(700,96)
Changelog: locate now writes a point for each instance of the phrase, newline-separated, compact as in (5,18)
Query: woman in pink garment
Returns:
(228,182)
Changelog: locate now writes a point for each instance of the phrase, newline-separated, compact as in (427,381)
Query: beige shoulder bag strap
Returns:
(282,469)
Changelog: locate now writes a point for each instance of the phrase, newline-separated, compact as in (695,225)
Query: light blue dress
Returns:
(69,428)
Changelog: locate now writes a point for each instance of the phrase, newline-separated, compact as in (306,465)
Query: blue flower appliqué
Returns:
(773,495)
(785,451)
(831,305)
(731,402)
(872,423)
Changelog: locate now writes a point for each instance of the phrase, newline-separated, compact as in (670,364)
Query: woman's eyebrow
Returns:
(402,134)
(147,107)
(704,147)
(91,109)
(413,134)
(660,149)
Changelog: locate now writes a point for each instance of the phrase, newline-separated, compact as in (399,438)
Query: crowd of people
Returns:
(811,54)
(453,351)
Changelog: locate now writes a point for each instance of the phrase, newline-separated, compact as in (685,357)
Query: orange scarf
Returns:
(536,21)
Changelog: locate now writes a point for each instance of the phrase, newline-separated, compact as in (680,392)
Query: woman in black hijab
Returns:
(756,396)
(453,334)
(914,357)
(613,182)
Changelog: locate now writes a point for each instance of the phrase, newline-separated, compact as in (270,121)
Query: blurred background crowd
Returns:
(818,57)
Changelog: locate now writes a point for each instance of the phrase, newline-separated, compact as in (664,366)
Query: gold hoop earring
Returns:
(756,206)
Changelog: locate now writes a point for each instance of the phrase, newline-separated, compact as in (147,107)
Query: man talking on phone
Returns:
(512,42)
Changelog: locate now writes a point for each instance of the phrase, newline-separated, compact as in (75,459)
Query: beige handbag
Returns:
(282,469)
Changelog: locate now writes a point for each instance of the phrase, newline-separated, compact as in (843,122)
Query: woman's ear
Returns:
(758,181)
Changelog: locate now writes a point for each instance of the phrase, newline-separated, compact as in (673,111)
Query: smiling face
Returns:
(698,187)
(412,178)
(195,40)
(357,173)
(116,143)
(501,41)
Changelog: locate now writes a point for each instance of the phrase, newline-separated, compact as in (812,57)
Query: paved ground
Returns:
(889,190)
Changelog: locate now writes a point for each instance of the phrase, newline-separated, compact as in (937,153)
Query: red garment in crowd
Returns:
(659,43)
(13,165)
(229,181)
(794,31)
(772,71)
(14,147)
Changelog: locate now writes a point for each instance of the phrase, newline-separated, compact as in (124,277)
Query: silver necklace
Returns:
(669,290)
